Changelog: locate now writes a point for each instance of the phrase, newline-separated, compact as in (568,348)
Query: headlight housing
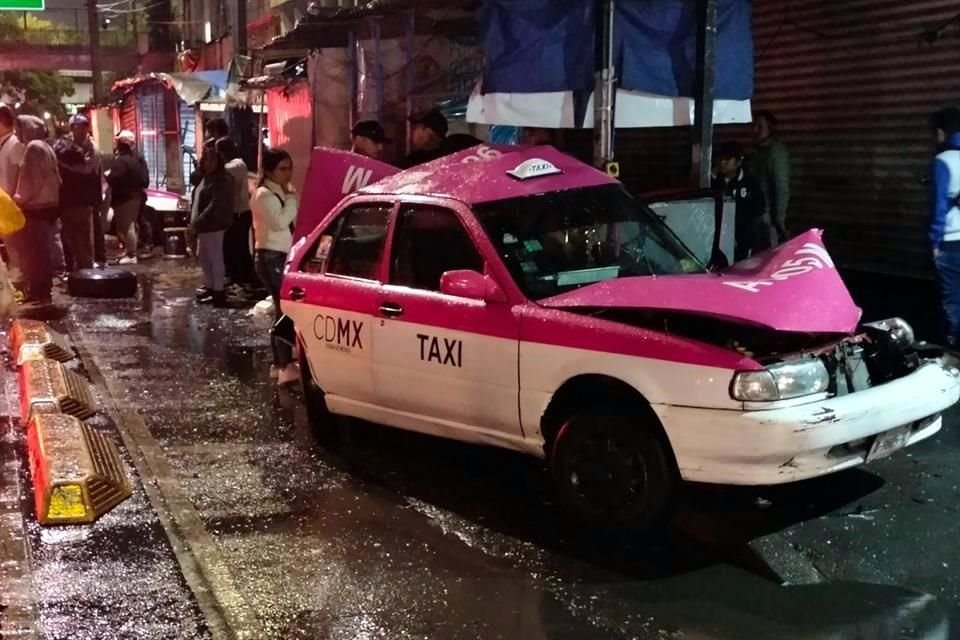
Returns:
(183,204)
(783,381)
(900,331)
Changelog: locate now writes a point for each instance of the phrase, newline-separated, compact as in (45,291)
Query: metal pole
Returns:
(702,148)
(605,91)
(93,23)
(377,54)
(240,29)
(263,94)
(352,62)
(411,79)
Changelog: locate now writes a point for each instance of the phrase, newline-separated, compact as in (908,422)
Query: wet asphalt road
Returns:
(259,533)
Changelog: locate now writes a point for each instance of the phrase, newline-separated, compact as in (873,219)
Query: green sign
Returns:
(22,5)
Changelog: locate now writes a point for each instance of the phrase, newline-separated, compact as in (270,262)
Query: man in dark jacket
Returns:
(428,136)
(127,182)
(752,230)
(80,192)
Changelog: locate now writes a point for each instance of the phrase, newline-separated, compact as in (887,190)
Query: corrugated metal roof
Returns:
(853,84)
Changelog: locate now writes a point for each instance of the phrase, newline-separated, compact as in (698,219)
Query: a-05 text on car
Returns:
(522,299)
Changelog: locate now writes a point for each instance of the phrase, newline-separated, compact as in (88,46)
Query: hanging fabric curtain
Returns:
(539,63)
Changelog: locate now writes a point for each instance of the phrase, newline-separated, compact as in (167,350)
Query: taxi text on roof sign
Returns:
(533,168)
(22,5)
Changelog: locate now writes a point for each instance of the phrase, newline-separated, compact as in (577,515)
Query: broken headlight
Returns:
(901,333)
(782,381)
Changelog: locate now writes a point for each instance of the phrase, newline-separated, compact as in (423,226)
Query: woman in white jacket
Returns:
(274,207)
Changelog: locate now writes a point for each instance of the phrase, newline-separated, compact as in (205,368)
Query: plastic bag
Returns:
(11,217)
(8,295)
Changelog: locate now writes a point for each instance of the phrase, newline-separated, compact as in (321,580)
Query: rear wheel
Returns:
(612,472)
(322,422)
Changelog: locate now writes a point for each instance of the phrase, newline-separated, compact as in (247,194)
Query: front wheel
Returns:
(612,472)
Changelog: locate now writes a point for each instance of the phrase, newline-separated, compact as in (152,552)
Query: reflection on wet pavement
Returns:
(395,535)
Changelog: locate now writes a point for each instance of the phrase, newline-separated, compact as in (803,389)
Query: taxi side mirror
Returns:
(466,283)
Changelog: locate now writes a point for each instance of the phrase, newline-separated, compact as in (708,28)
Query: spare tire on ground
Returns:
(102,283)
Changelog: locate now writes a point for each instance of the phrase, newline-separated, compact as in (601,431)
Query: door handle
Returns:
(297,293)
(391,310)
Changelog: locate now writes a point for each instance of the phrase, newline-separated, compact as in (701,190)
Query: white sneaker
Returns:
(290,373)
(128,260)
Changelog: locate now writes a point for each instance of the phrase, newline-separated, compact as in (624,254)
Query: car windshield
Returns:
(559,241)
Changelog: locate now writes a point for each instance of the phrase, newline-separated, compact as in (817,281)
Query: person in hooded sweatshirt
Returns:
(127,181)
(212,215)
(38,194)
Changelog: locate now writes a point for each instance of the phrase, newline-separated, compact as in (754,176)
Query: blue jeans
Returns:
(948,275)
(269,266)
(210,253)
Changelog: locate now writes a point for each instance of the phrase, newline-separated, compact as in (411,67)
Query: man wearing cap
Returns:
(752,226)
(368,138)
(148,221)
(428,135)
(80,192)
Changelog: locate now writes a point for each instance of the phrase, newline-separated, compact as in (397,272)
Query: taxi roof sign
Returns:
(533,168)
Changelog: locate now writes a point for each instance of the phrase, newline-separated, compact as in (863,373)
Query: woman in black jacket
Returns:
(211,216)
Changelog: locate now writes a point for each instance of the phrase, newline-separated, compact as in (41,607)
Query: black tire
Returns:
(102,283)
(612,472)
(323,424)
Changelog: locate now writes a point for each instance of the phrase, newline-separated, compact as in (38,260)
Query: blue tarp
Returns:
(534,46)
(216,77)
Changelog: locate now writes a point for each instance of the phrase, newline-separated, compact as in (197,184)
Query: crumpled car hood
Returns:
(794,287)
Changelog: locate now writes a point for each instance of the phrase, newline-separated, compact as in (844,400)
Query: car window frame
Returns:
(394,237)
(391,208)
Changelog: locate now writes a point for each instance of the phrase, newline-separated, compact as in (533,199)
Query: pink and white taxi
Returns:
(522,299)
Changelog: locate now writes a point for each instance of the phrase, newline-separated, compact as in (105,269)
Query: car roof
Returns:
(480,174)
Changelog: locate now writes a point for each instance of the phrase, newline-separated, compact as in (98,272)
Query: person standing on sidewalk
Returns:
(771,167)
(127,182)
(428,136)
(37,194)
(211,217)
(80,192)
(274,206)
(11,153)
(944,229)
(367,139)
(236,248)
(146,224)
(11,150)
(752,229)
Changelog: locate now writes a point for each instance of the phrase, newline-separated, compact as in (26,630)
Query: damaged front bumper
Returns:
(788,444)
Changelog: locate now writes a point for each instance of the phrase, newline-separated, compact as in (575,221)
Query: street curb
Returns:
(18,600)
(204,569)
